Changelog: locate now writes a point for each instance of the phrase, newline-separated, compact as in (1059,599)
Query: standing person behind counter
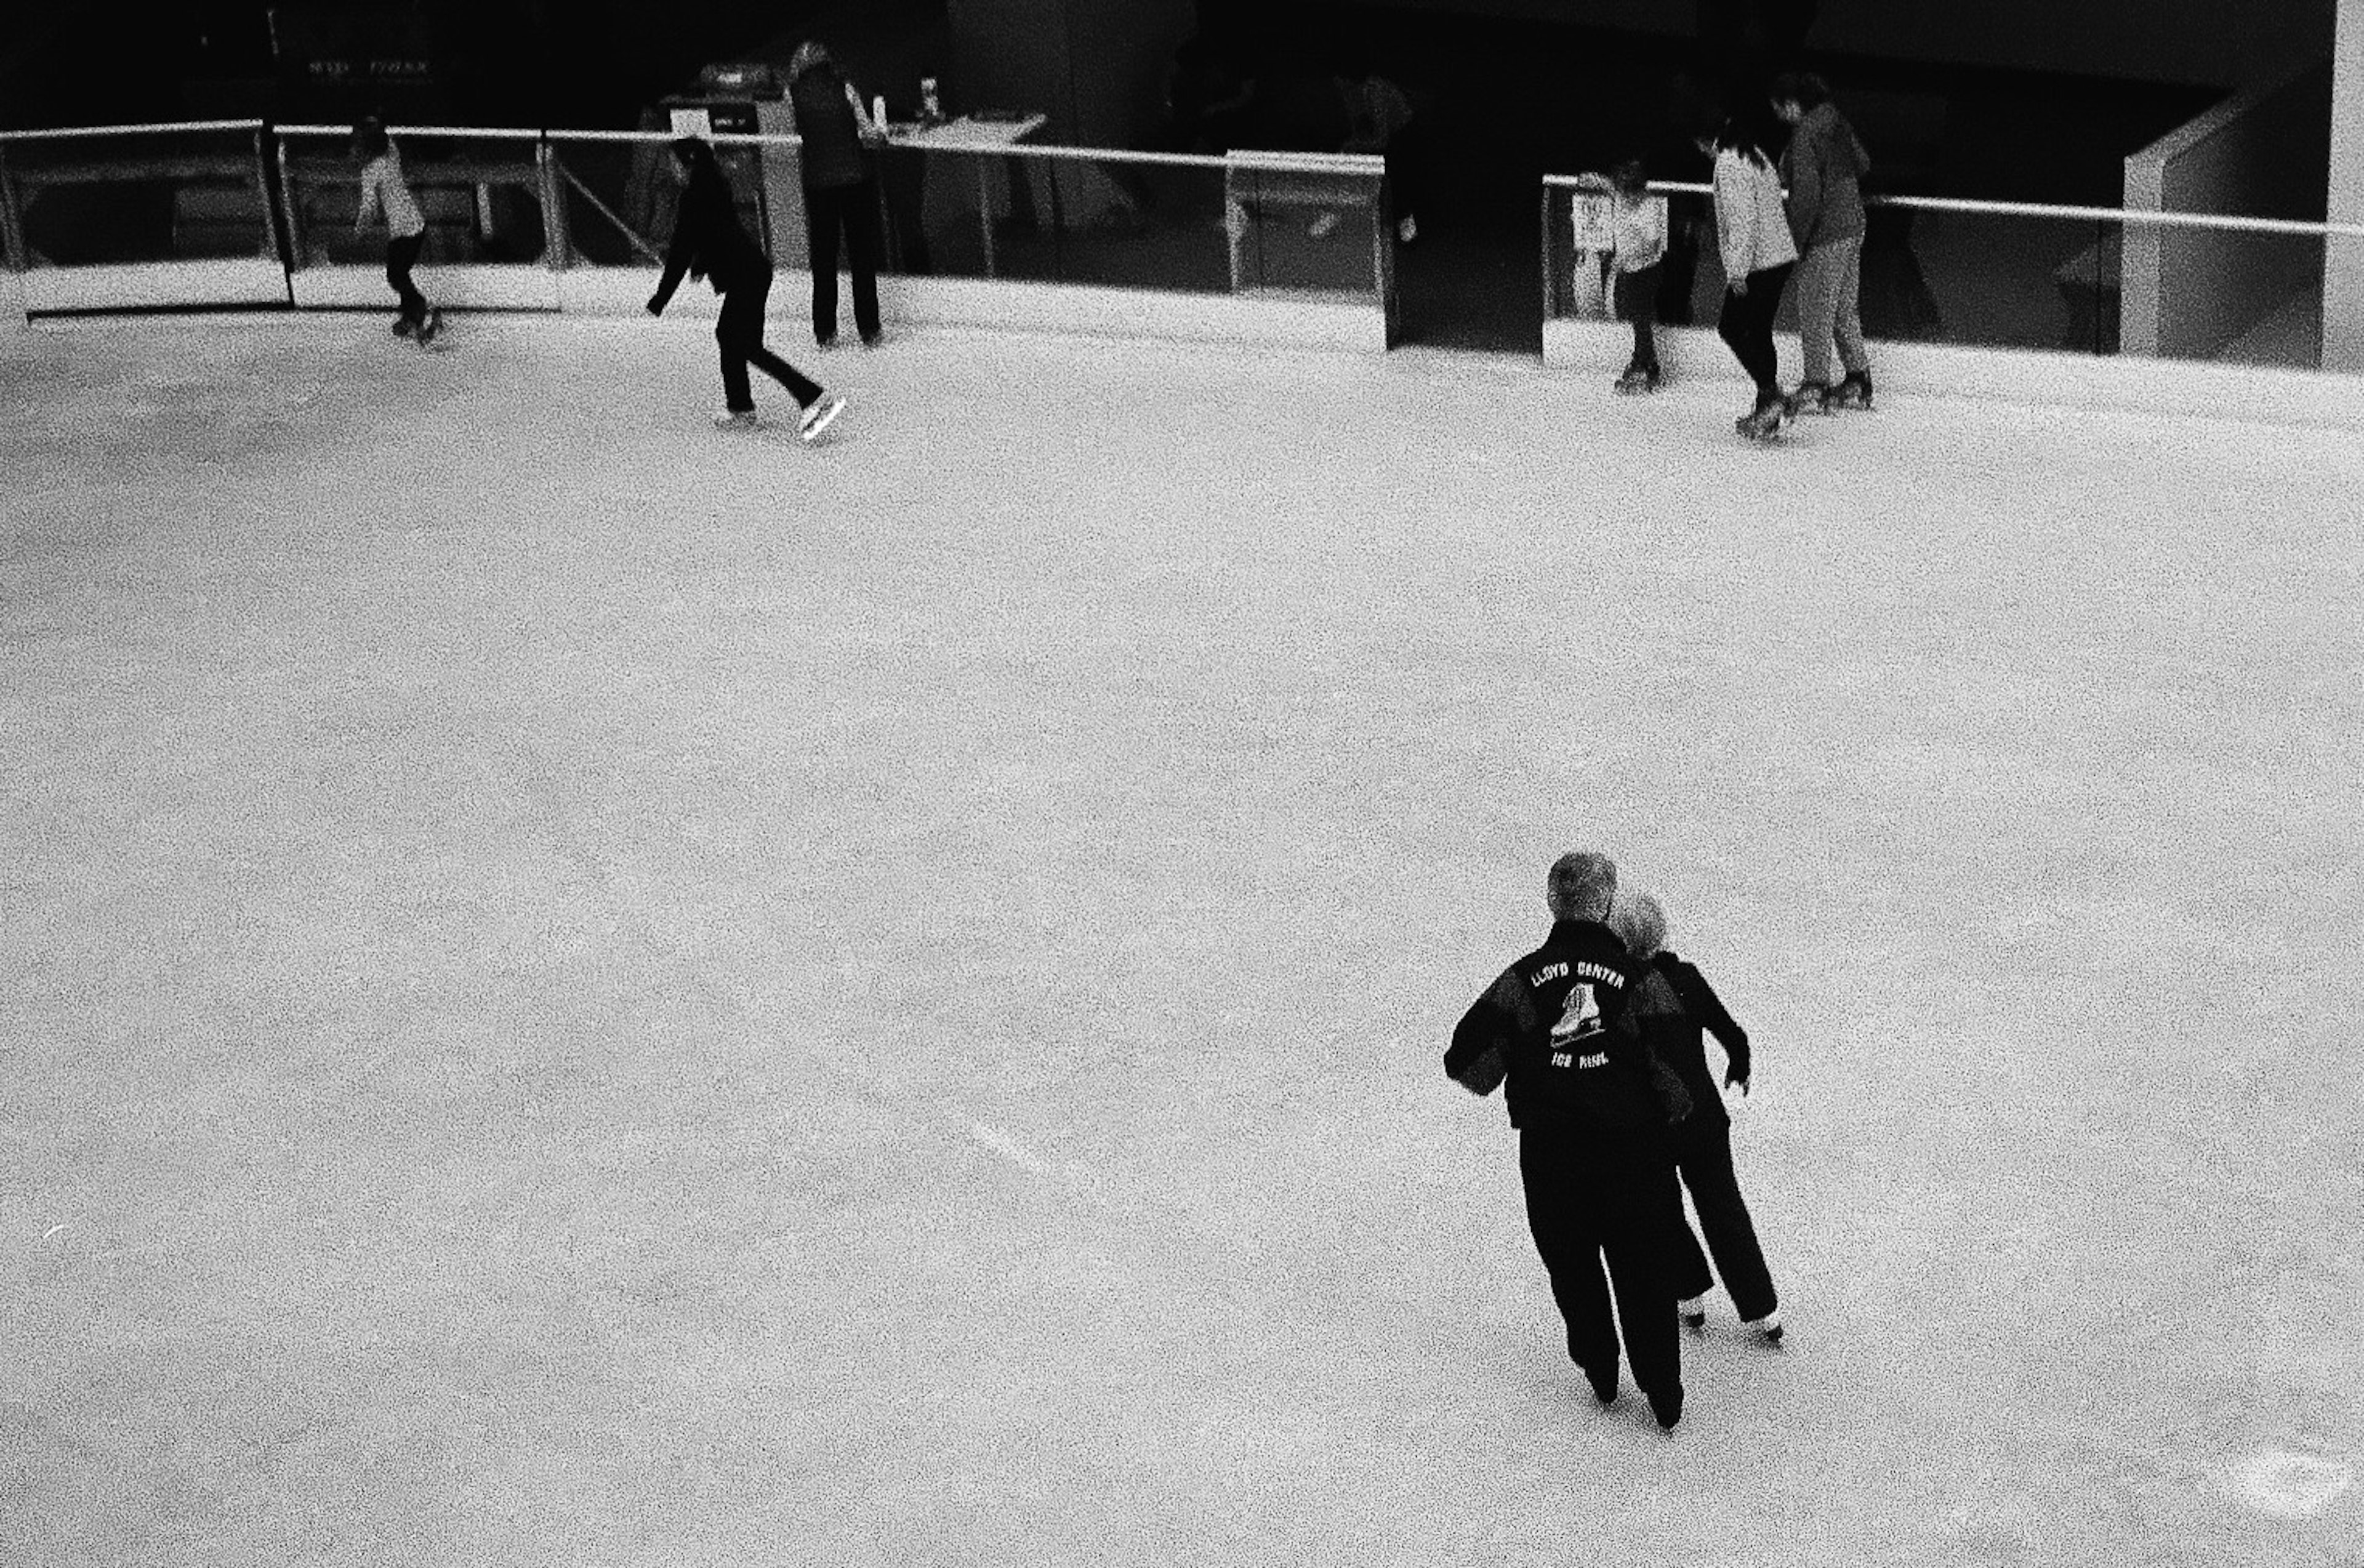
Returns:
(1682,1007)
(1592,1109)
(707,242)
(840,191)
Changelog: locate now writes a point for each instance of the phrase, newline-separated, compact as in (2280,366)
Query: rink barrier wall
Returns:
(1290,321)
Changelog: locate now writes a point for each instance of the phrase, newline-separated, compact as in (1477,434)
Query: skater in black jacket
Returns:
(707,242)
(1592,1109)
(1680,1007)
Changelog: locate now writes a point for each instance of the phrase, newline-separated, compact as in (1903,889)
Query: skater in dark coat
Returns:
(840,191)
(707,242)
(1680,1009)
(1591,1108)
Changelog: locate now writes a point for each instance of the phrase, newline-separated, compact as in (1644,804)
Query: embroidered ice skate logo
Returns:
(1580,1020)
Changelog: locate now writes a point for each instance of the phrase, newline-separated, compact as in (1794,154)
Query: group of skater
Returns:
(1791,221)
(1597,1039)
(708,241)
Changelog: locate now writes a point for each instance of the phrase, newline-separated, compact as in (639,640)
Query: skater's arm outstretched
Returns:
(679,253)
(1699,999)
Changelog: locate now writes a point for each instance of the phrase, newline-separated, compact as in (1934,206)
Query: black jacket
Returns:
(832,155)
(1689,1005)
(707,241)
(1554,1026)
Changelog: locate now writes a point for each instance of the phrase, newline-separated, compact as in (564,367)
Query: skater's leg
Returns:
(749,299)
(1637,302)
(1752,334)
(1847,319)
(1818,304)
(738,333)
(862,254)
(1723,1216)
(1565,1237)
(1687,1270)
(823,216)
(1645,1208)
(401,255)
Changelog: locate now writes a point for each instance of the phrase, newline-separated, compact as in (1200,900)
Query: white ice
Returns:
(578,989)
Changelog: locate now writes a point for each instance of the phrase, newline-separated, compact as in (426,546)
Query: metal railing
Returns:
(510,195)
(2011,273)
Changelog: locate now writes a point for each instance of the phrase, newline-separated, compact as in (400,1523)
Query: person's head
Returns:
(1639,923)
(1631,180)
(369,138)
(1750,135)
(1582,886)
(1797,93)
(691,158)
(811,55)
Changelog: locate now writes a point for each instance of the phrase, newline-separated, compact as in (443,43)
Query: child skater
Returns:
(707,242)
(1640,245)
(1753,232)
(386,194)
(1702,1140)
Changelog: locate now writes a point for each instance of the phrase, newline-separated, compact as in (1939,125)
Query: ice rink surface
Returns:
(580,990)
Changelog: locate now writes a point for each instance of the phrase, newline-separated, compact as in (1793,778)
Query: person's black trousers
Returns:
(1593,1200)
(854,210)
(401,255)
(1746,325)
(740,334)
(1703,1156)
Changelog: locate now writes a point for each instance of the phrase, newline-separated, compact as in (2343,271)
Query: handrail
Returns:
(2137,215)
(494,133)
(169,128)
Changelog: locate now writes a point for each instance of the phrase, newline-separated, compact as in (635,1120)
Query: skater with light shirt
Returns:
(707,242)
(1639,245)
(1682,1007)
(1823,166)
(385,194)
(1753,232)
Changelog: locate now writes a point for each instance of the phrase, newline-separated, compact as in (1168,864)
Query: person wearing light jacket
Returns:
(1824,167)
(1753,232)
(385,194)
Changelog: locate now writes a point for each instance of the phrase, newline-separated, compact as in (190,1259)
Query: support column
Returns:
(2342,261)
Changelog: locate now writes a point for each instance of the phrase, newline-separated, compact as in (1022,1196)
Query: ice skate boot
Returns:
(1639,379)
(1769,1327)
(403,327)
(1667,1405)
(1853,392)
(1604,1386)
(1811,398)
(734,419)
(1764,423)
(428,328)
(817,418)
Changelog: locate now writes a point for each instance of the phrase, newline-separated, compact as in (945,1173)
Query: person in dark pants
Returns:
(1591,1108)
(385,192)
(1684,1008)
(1752,230)
(840,193)
(707,242)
